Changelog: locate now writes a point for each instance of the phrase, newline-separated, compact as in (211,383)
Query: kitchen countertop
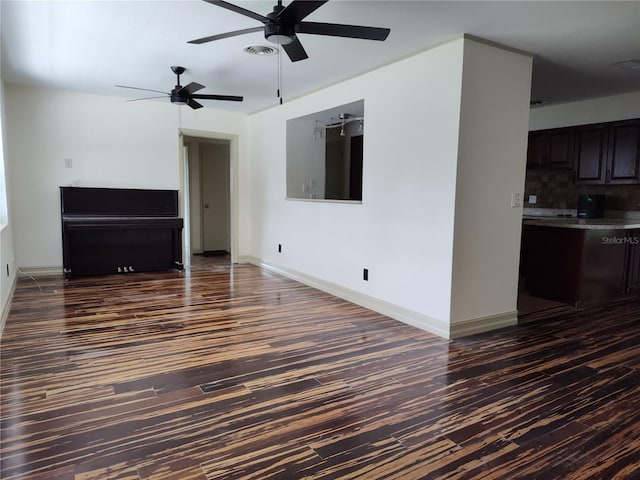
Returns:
(583,224)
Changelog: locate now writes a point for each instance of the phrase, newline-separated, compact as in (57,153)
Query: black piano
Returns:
(116,230)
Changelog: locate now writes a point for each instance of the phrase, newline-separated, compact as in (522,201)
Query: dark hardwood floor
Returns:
(230,372)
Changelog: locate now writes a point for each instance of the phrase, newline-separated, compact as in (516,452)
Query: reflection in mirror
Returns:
(325,152)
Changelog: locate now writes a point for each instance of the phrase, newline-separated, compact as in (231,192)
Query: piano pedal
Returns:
(119,270)
(130,268)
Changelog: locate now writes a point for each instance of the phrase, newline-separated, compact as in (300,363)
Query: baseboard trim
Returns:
(483,324)
(7,306)
(40,271)
(410,317)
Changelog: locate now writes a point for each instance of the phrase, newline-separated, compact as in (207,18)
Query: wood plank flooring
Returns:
(230,372)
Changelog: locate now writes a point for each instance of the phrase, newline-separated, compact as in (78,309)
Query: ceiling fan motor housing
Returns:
(277,31)
(177,96)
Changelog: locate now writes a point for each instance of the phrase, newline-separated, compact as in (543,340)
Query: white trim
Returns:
(415,319)
(234,172)
(40,271)
(323,200)
(7,306)
(473,326)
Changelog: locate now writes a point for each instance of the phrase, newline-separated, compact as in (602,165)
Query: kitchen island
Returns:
(581,261)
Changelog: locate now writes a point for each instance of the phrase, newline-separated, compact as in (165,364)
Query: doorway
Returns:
(208,202)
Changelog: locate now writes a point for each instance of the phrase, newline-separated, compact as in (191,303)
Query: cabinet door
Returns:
(633,261)
(538,148)
(623,164)
(561,147)
(590,154)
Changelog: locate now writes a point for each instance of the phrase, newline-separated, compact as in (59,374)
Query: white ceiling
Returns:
(91,46)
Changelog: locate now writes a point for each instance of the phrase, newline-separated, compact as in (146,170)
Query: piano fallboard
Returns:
(103,222)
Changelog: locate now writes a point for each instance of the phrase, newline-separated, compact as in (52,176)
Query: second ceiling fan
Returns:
(184,95)
(282,25)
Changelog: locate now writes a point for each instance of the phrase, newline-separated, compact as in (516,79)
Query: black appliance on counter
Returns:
(590,206)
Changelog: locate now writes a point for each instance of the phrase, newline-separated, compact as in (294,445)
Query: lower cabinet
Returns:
(632,280)
(580,266)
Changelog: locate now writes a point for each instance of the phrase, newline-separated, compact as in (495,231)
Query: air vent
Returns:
(260,50)
(629,64)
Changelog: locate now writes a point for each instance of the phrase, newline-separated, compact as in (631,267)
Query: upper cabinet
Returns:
(624,152)
(590,154)
(551,147)
(561,142)
(601,153)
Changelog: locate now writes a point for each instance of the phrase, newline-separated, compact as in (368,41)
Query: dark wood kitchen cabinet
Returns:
(590,154)
(623,159)
(584,267)
(632,278)
(538,148)
(608,153)
(561,141)
(551,147)
(604,153)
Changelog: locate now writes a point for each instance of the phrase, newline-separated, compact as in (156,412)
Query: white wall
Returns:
(112,143)
(403,230)
(7,260)
(446,134)
(491,166)
(603,109)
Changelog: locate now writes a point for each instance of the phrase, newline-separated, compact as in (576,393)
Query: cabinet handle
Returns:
(608,178)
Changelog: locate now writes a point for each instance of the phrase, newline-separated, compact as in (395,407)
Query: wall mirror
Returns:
(324,154)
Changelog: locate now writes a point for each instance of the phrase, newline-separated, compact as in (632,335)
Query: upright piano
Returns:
(116,230)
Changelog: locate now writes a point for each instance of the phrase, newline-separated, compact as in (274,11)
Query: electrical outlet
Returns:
(68,163)
(533,199)
(516,200)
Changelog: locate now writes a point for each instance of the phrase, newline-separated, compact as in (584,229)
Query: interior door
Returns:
(215,198)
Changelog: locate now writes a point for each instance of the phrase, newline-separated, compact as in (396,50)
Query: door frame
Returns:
(233,186)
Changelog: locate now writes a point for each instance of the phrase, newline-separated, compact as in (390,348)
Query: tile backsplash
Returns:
(555,189)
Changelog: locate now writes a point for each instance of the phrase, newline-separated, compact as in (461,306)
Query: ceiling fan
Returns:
(184,95)
(282,25)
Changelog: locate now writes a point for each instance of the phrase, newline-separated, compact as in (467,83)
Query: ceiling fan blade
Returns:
(145,98)
(295,50)
(193,104)
(338,30)
(240,10)
(231,98)
(191,88)
(299,9)
(143,89)
(220,36)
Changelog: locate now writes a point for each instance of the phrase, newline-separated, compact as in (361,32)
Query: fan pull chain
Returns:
(279,72)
